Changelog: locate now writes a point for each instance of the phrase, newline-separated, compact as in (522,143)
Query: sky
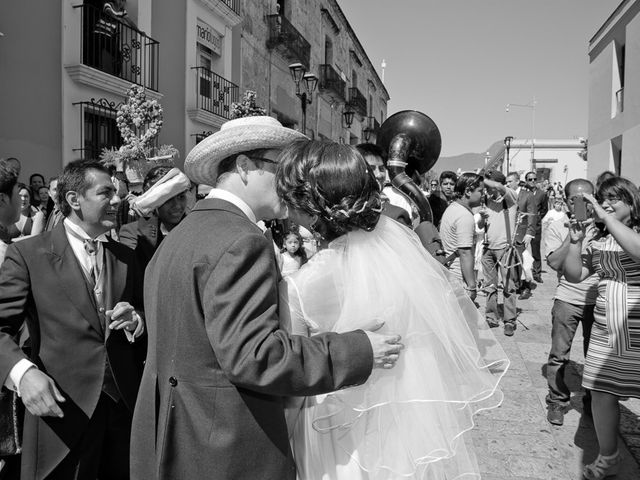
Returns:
(462,61)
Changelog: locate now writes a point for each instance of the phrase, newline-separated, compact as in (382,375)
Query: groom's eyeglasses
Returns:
(262,159)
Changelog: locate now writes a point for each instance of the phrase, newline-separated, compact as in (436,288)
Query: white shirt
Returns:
(76,236)
(232,198)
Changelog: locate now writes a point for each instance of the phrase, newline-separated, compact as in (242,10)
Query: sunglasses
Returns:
(531,179)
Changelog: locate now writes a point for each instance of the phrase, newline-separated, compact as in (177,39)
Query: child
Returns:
(292,256)
(557,213)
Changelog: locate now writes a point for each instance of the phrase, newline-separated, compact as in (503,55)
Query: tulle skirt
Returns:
(409,421)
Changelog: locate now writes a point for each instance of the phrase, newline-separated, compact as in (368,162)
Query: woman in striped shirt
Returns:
(612,365)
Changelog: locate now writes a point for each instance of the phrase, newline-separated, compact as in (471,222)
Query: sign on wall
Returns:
(209,37)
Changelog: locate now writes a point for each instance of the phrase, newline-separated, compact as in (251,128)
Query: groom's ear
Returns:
(243,165)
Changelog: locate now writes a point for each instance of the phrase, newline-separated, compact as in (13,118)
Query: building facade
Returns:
(614,94)
(556,160)
(350,101)
(196,57)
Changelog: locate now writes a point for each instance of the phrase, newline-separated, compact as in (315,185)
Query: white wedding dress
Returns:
(409,421)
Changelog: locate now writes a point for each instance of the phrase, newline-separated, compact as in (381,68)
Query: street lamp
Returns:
(348,117)
(532,105)
(298,74)
(507,146)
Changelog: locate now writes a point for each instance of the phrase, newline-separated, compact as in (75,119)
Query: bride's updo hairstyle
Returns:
(331,181)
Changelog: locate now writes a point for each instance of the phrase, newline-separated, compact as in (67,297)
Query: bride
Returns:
(405,422)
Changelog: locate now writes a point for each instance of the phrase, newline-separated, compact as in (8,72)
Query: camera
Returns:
(580,208)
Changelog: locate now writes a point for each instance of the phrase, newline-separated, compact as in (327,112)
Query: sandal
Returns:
(603,467)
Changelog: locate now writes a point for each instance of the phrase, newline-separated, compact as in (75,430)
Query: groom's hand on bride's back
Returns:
(386,347)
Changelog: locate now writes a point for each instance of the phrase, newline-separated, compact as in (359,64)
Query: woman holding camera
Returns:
(612,364)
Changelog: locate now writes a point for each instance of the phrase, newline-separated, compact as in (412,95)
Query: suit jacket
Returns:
(143,236)
(541,206)
(43,285)
(526,207)
(218,364)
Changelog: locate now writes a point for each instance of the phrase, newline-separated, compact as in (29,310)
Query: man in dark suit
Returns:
(9,203)
(76,292)
(541,206)
(163,204)
(218,363)
(526,224)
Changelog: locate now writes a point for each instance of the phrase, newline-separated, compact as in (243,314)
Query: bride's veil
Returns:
(408,419)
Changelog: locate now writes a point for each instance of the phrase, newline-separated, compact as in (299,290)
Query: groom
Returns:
(218,364)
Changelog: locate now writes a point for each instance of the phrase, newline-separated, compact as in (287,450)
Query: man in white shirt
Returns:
(77,292)
(9,202)
(457,229)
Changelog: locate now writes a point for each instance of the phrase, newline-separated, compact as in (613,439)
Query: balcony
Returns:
(290,43)
(118,48)
(331,84)
(214,94)
(357,101)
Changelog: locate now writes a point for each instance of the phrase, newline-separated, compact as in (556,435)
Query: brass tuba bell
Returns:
(413,143)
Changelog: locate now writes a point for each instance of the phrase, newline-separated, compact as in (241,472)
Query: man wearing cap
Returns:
(160,209)
(218,364)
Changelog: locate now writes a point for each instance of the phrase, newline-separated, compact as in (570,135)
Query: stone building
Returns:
(614,94)
(66,69)
(317,35)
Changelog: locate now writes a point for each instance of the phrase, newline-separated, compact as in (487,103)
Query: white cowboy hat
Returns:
(235,136)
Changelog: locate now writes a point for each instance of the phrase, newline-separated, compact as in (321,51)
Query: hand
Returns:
(577,231)
(386,348)
(40,394)
(597,209)
(123,316)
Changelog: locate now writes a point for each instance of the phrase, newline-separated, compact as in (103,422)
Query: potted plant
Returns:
(139,121)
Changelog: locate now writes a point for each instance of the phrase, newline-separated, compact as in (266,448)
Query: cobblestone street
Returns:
(515,441)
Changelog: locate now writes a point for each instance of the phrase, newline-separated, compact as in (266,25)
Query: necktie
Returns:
(91,247)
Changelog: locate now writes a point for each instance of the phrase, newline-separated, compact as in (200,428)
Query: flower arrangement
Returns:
(247,107)
(139,121)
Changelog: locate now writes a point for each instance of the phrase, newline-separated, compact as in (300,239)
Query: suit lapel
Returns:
(116,272)
(69,272)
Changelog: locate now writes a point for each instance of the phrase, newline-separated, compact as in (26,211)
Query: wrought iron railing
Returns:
(214,93)
(233,5)
(98,129)
(331,82)
(118,48)
(357,101)
(284,37)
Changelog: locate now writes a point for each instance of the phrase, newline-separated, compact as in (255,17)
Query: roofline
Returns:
(608,21)
(334,4)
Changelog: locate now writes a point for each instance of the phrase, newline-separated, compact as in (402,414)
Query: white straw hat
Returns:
(235,136)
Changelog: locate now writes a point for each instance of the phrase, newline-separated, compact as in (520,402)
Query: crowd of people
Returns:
(148,337)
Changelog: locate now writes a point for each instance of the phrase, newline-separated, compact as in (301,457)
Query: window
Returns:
(98,127)
(204,77)
(328,51)
(354,79)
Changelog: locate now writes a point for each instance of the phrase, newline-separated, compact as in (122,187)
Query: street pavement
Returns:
(515,441)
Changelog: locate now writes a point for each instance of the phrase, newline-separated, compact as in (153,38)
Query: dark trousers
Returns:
(103,450)
(535,253)
(565,318)
(490,267)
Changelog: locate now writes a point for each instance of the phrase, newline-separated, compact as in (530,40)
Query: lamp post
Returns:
(298,74)
(532,105)
(507,146)
(348,117)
